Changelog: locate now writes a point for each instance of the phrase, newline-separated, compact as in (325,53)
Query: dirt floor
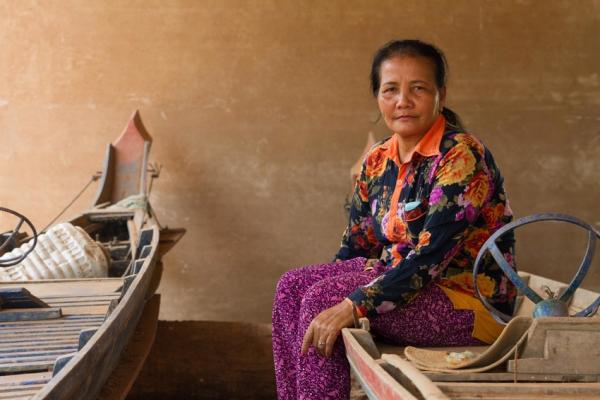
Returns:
(211,360)
(208,360)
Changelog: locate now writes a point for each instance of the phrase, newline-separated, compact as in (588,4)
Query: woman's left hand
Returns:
(325,328)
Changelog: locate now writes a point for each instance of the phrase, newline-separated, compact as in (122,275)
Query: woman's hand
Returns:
(325,328)
(370,264)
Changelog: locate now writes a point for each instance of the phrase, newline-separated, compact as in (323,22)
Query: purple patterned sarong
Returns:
(428,320)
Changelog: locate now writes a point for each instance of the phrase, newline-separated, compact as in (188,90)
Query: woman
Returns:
(426,200)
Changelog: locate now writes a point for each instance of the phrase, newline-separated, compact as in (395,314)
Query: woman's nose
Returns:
(403,100)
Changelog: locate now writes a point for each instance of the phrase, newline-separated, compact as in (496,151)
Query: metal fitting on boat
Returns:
(63,252)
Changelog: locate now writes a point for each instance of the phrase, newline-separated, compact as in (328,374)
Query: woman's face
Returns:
(408,97)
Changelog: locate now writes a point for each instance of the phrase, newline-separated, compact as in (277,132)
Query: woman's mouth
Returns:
(404,117)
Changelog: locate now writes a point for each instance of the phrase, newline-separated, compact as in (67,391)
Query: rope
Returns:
(516,361)
(94,178)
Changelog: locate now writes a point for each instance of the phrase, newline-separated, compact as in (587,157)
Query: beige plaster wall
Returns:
(258,109)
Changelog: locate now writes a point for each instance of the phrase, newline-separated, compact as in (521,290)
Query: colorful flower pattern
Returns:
(461,202)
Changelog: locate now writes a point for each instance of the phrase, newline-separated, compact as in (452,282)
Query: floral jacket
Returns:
(426,220)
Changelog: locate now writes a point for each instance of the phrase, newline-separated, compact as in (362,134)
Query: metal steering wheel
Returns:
(552,307)
(11,235)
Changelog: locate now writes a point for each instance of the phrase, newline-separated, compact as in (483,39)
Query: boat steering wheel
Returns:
(10,236)
(555,306)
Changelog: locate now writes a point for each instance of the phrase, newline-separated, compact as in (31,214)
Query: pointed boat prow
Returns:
(124,173)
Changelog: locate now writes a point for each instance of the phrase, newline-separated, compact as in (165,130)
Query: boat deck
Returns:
(29,349)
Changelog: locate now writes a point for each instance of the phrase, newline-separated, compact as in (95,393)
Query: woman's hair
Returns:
(415,48)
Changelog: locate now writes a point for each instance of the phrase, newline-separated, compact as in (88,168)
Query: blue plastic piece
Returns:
(412,205)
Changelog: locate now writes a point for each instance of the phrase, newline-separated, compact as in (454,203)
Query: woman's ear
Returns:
(442,100)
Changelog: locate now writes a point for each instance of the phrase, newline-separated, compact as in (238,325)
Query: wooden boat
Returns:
(548,357)
(73,345)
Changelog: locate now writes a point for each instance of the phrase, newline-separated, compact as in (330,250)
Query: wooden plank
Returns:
(69,287)
(36,331)
(51,323)
(20,389)
(518,396)
(19,361)
(35,343)
(538,389)
(32,353)
(45,337)
(376,381)
(88,310)
(29,314)
(82,304)
(509,377)
(26,396)
(25,379)
(19,297)
(121,380)
(24,393)
(33,346)
(41,350)
(61,321)
(81,298)
(108,216)
(24,338)
(47,328)
(28,367)
(426,388)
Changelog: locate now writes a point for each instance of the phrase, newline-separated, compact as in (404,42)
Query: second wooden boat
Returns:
(68,346)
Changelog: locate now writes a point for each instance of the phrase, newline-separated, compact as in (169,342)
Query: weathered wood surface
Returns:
(425,387)
(375,380)
(70,287)
(101,314)
(567,346)
(561,345)
(125,164)
(509,377)
(84,376)
(134,355)
(35,345)
(490,390)
(29,314)
(18,297)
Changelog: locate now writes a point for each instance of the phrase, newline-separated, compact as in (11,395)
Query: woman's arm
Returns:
(359,238)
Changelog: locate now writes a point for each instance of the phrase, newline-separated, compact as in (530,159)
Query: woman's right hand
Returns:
(370,264)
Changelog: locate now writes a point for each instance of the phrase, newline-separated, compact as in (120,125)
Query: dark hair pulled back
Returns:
(415,48)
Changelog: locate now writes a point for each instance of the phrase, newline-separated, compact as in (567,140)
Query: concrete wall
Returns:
(258,109)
